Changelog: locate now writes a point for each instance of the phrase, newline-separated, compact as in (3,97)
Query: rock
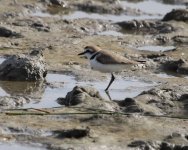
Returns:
(165,99)
(55,2)
(12,101)
(93,7)
(72,133)
(8,33)
(176,14)
(183,69)
(36,24)
(40,27)
(129,105)
(162,39)
(87,97)
(142,145)
(180,39)
(179,66)
(147,27)
(24,67)
(159,145)
(176,137)
(58,2)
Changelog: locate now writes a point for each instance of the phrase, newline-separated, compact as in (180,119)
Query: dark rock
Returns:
(93,7)
(8,33)
(142,145)
(153,55)
(178,66)
(176,14)
(12,101)
(55,2)
(58,2)
(162,39)
(72,133)
(158,145)
(129,105)
(184,97)
(180,39)
(40,27)
(87,97)
(147,27)
(166,146)
(137,143)
(183,69)
(23,68)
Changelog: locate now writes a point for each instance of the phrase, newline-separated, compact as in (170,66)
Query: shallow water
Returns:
(44,96)
(113,33)
(156,48)
(120,89)
(152,7)
(152,10)
(113,18)
(15,146)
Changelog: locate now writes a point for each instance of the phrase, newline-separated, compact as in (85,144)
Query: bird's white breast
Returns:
(95,65)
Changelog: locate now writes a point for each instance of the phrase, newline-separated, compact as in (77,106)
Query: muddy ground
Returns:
(153,118)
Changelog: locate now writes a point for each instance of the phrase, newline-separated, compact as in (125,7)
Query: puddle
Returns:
(120,89)
(113,18)
(156,48)
(107,17)
(113,33)
(15,146)
(44,96)
(152,7)
(164,75)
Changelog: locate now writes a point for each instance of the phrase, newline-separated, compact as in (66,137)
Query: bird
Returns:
(106,62)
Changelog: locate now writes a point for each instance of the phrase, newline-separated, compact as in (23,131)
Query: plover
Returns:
(106,62)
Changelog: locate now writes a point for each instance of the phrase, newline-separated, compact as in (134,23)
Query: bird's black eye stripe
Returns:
(93,56)
(88,51)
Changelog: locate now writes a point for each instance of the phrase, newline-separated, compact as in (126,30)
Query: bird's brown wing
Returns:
(112,58)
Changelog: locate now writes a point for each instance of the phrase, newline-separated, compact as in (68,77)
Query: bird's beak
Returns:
(82,53)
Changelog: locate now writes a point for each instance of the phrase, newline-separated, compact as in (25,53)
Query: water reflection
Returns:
(59,85)
(33,90)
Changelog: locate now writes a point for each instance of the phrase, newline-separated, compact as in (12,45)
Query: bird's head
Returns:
(89,51)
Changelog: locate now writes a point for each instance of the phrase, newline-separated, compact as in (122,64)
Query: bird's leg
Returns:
(108,94)
(112,79)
